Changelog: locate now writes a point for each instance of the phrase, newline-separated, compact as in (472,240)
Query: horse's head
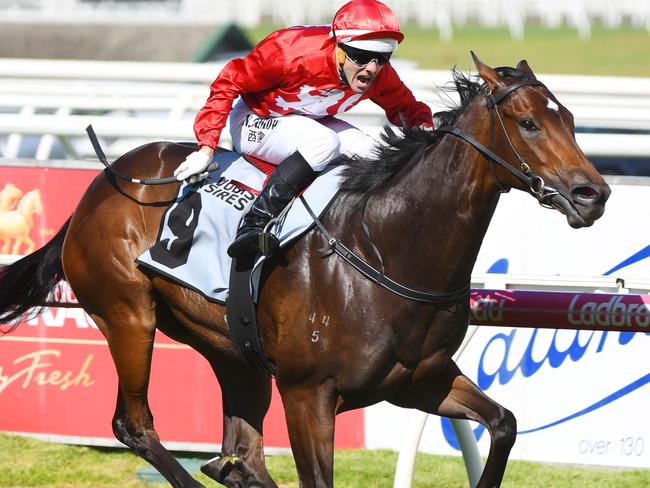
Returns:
(530,126)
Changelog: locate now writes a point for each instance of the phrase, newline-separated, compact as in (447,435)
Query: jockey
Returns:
(291,85)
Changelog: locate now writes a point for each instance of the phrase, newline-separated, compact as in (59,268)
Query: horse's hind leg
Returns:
(131,345)
(246,394)
(452,394)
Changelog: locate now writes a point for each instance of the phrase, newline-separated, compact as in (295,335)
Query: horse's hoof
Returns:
(220,466)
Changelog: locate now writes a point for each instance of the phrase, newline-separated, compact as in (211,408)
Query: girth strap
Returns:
(373,274)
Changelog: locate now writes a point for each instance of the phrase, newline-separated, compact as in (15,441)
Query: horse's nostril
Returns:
(587,193)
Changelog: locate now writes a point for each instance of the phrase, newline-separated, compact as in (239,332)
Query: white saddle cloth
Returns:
(202,222)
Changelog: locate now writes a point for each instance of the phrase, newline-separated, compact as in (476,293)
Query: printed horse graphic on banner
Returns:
(16,225)
(10,195)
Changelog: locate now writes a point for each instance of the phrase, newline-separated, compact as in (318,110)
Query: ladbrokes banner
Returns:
(56,373)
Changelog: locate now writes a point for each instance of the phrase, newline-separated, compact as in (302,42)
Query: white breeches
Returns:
(319,141)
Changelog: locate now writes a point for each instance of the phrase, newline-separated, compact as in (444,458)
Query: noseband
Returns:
(533,183)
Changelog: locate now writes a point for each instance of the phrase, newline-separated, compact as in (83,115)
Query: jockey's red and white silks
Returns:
(272,139)
(294,71)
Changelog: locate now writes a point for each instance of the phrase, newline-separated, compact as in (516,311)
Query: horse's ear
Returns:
(489,75)
(524,68)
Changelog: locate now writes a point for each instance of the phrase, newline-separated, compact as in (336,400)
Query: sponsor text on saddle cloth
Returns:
(200,224)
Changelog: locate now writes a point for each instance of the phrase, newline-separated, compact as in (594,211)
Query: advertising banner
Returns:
(57,377)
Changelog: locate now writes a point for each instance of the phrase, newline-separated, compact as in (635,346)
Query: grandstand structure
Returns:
(442,14)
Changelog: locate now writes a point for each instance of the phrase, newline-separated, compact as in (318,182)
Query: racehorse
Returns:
(15,225)
(423,203)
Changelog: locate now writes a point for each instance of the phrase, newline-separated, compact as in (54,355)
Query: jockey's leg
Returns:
(291,176)
(300,146)
(353,141)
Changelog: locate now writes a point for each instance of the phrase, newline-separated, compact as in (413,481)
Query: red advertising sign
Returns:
(561,310)
(56,373)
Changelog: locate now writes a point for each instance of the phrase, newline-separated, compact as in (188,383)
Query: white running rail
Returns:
(139,102)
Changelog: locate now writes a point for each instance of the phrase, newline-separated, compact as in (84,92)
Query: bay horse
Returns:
(426,199)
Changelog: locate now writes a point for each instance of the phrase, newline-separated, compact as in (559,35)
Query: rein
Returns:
(147,181)
(533,183)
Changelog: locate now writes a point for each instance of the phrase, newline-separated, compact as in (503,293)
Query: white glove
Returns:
(193,168)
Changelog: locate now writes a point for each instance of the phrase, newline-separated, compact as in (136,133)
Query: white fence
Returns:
(443,14)
(131,103)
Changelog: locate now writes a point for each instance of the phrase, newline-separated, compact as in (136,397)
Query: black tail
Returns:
(25,284)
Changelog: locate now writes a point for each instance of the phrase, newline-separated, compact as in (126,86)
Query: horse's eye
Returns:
(528,125)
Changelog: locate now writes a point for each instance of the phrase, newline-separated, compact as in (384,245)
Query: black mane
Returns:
(366,175)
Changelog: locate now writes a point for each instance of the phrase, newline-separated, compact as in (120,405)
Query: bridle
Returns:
(533,183)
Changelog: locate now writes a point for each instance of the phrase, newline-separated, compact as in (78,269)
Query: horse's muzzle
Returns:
(585,205)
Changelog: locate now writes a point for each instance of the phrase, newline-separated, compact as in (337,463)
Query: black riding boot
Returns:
(290,177)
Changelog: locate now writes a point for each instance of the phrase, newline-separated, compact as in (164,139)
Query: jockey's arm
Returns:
(398,101)
(262,68)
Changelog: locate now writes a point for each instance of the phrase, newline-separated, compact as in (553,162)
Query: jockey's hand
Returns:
(424,127)
(193,168)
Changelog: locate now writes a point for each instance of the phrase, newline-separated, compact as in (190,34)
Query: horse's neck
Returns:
(432,221)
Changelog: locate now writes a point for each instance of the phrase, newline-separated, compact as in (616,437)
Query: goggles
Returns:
(362,58)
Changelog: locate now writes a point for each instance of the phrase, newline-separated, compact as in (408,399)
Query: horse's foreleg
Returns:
(131,345)
(466,400)
(454,395)
(310,414)
(246,394)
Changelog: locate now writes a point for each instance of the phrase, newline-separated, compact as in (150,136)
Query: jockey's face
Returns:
(360,66)
(360,77)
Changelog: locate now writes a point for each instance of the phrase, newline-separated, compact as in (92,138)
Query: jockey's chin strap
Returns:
(533,183)
(378,276)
